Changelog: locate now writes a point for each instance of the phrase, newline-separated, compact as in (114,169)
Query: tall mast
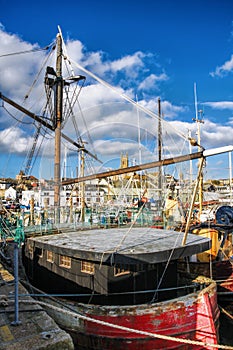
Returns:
(139,137)
(201,175)
(199,121)
(230,176)
(82,188)
(57,125)
(159,150)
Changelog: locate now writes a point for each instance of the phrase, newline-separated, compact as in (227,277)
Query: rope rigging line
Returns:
(49,103)
(74,97)
(89,169)
(53,296)
(20,121)
(85,124)
(127,329)
(39,73)
(33,84)
(70,112)
(35,157)
(11,145)
(131,246)
(12,116)
(69,68)
(64,50)
(165,269)
(125,97)
(34,150)
(113,251)
(27,51)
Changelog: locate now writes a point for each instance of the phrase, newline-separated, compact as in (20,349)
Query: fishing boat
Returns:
(217,262)
(216,222)
(120,287)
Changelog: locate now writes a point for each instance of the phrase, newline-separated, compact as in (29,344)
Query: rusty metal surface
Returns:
(194,317)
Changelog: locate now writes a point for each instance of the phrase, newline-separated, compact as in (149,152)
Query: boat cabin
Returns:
(105,265)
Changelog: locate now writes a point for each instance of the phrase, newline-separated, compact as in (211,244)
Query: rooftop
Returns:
(123,245)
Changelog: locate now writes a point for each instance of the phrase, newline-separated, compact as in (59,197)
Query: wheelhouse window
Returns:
(119,271)
(65,261)
(87,267)
(50,256)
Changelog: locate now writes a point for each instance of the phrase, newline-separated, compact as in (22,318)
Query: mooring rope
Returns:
(127,329)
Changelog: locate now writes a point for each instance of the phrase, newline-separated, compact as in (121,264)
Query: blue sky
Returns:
(148,49)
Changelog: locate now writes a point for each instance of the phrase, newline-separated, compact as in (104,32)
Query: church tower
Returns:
(124,161)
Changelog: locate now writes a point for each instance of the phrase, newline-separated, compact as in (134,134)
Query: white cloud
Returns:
(216,135)
(128,63)
(220,105)
(7,136)
(168,109)
(17,68)
(151,81)
(111,121)
(226,68)
(75,49)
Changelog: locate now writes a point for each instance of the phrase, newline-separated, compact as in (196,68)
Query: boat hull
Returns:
(220,271)
(224,274)
(193,317)
(215,263)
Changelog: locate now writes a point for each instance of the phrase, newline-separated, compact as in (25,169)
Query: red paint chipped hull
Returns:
(193,317)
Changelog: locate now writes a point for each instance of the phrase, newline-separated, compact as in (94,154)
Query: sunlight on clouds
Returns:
(75,49)
(151,81)
(220,105)
(223,70)
(128,62)
(79,53)
(96,94)
(168,110)
(215,135)
(13,140)
(17,71)
(112,122)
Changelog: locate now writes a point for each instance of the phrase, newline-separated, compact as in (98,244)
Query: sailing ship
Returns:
(122,286)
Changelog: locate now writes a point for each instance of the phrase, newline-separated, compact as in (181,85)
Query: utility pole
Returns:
(57,125)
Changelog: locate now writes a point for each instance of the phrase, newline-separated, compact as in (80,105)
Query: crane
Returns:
(32,150)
